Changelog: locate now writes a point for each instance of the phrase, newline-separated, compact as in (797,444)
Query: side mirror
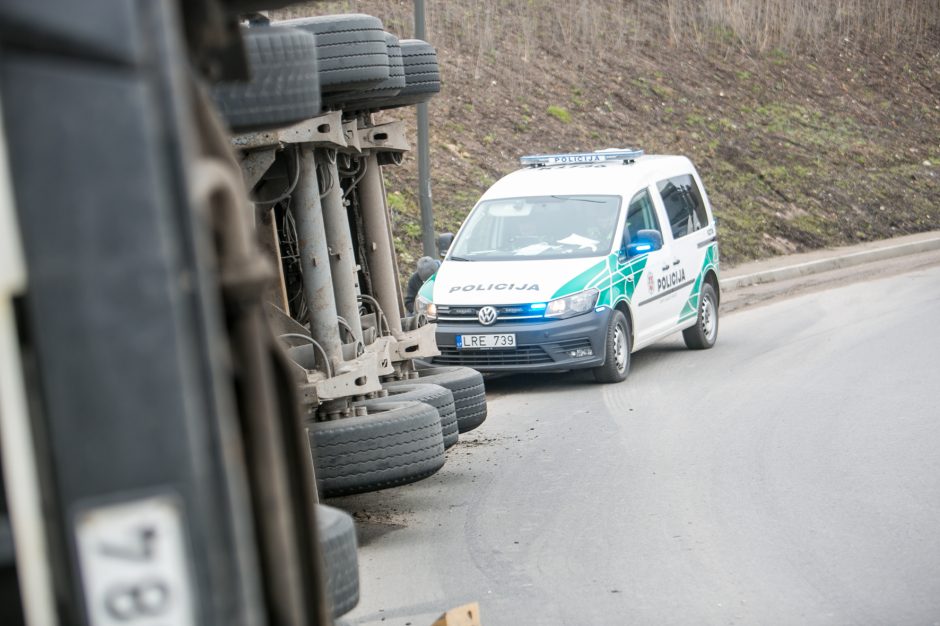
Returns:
(646,241)
(443,243)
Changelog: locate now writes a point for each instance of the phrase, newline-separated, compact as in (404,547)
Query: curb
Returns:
(829,264)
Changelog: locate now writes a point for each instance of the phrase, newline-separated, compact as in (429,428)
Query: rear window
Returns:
(684,206)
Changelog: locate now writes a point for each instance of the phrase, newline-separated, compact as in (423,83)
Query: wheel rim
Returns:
(709,321)
(620,348)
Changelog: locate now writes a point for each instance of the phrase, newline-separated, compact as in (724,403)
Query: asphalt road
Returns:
(791,475)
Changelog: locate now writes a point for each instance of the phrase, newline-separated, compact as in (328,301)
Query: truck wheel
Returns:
(422,75)
(366,99)
(439,397)
(338,545)
(283,87)
(705,332)
(396,444)
(617,349)
(351,50)
(467,386)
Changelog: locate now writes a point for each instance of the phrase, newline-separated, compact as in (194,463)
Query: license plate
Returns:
(482,342)
(135,564)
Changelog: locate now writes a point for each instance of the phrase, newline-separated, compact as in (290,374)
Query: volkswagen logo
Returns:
(487,315)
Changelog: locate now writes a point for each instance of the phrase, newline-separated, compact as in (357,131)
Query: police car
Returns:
(576,261)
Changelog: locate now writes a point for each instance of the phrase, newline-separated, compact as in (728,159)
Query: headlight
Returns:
(426,307)
(575,304)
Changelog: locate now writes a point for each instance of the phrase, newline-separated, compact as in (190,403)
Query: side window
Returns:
(684,205)
(641,215)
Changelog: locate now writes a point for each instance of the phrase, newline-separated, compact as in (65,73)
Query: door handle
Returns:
(665,267)
(676,262)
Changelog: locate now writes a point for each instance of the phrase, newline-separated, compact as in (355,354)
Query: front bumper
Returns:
(542,345)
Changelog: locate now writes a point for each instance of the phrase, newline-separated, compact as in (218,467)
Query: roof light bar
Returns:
(576,158)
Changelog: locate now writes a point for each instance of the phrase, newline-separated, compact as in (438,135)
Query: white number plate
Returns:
(134,564)
(469,342)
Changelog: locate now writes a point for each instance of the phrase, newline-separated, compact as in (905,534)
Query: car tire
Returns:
(283,87)
(422,75)
(366,99)
(439,397)
(704,334)
(396,444)
(351,50)
(616,350)
(337,533)
(464,383)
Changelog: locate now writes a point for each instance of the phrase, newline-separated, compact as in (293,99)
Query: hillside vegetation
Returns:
(813,123)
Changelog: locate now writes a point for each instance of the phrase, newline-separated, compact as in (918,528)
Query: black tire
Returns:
(704,334)
(617,351)
(396,444)
(366,99)
(338,545)
(439,397)
(283,88)
(351,50)
(464,383)
(422,75)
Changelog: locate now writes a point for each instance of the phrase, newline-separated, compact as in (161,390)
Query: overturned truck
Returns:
(311,154)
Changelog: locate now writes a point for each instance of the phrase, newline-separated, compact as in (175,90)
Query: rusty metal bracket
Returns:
(326,130)
(389,137)
(356,378)
(351,134)
(255,163)
(382,349)
(415,344)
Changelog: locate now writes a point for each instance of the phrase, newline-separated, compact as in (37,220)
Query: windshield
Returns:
(541,227)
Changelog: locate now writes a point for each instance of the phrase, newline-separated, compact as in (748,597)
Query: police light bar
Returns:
(577,158)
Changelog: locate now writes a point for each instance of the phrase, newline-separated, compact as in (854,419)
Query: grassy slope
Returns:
(798,150)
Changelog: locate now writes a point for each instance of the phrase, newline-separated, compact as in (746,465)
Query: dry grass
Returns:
(761,25)
(806,140)
(583,27)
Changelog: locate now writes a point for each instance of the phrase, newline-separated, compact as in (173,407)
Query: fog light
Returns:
(580,352)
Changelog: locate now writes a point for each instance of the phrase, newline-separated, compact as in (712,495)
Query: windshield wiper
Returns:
(458,258)
(565,199)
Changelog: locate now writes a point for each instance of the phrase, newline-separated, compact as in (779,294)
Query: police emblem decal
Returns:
(487,315)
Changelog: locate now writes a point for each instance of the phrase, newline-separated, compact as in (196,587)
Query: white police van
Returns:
(575,262)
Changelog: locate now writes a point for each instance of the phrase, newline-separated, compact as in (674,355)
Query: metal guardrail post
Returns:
(424,184)
(424,162)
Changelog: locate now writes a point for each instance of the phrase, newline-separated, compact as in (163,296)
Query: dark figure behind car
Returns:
(426,268)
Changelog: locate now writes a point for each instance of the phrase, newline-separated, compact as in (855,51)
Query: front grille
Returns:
(504,313)
(522,355)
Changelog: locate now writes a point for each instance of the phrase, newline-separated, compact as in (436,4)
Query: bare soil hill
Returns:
(800,146)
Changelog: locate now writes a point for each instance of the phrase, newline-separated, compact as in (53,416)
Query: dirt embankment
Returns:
(799,148)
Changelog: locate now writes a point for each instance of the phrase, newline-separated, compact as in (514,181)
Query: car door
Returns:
(690,233)
(644,271)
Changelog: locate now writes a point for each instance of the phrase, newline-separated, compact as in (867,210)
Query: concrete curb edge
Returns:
(829,264)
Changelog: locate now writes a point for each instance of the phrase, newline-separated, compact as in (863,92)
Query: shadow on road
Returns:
(547,382)
(498,384)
